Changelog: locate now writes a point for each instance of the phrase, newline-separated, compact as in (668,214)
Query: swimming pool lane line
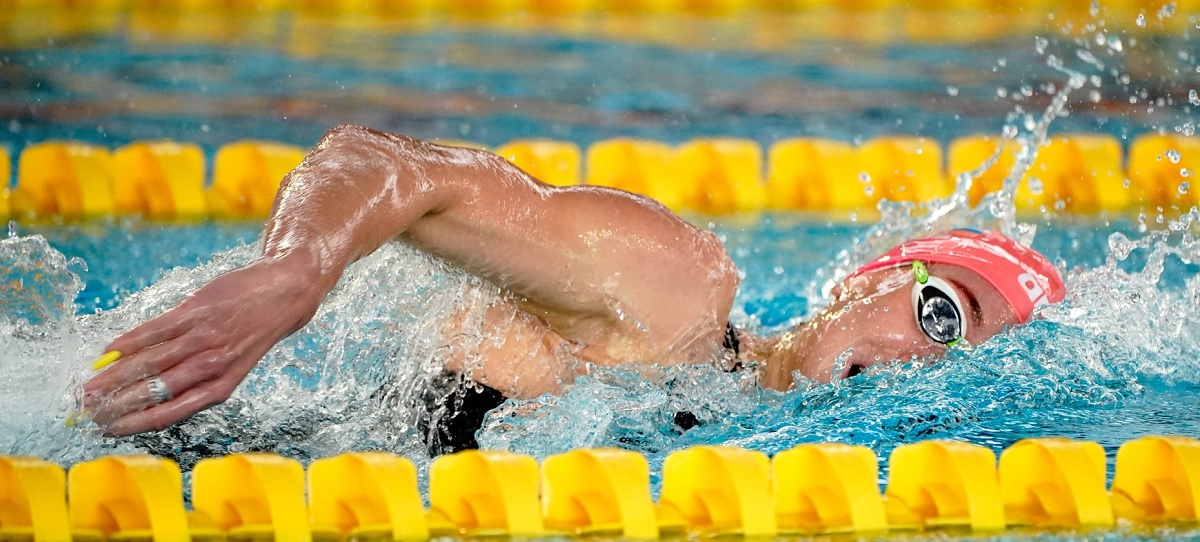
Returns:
(818,488)
(1082,174)
(1122,11)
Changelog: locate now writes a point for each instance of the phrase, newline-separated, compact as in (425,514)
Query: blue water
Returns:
(764,78)
(1031,381)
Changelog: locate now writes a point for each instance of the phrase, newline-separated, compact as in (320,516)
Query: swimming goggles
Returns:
(937,307)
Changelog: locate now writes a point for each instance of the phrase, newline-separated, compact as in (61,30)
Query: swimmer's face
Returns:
(873,317)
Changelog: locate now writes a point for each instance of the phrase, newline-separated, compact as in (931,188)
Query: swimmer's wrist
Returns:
(302,268)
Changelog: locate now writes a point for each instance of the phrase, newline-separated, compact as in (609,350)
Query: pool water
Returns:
(843,75)
(1119,359)
(1115,362)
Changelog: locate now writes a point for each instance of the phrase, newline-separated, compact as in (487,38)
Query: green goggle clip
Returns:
(920,272)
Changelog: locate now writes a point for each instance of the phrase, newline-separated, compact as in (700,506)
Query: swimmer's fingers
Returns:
(171,412)
(213,338)
(169,325)
(136,395)
(144,363)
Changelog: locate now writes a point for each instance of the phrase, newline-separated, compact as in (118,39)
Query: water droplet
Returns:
(953,91)
(1002,92)
(863,177)
(1193,98)
(1094,96)
(1167,11)
(1141,20)
(1040,44)
(1183,172)
(1035,185)
(1115,44)
(1087,56)
(1173,155)
(1183,188)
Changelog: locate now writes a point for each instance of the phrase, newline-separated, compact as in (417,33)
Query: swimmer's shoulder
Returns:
(684,275)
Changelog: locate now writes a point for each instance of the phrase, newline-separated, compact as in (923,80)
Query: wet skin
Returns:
(872,319)
(589,273)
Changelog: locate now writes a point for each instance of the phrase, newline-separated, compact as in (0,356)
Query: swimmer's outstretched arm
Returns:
(587,259)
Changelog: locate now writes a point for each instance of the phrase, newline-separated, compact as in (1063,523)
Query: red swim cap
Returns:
(1024,278)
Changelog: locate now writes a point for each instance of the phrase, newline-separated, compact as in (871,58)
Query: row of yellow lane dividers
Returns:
(1075,173)
(703,7)
(323,30)
(809,489)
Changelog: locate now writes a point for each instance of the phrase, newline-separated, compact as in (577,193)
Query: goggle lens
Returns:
(937,308)
(939,318)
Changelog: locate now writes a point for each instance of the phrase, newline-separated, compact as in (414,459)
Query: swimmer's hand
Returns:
(202,348)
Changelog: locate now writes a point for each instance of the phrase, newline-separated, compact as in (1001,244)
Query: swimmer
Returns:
(598,273)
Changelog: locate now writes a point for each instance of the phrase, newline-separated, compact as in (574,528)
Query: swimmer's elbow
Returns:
(352,139)
(723,276)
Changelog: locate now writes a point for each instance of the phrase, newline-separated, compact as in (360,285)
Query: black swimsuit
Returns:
(455,407)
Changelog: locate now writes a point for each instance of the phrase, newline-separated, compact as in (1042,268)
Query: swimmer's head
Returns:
(918,300)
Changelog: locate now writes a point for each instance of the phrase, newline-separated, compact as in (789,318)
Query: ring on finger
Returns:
(158,390)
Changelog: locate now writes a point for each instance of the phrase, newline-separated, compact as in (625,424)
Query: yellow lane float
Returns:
(720,490)
(822,488)
(1073,174)
(902,169)
(945,483)
(720,176)
(634,165)
(828,488)
(486,493)
(1163,170)
(1158,479)
(553,162)
(814,174)
(131,497)
(5,179)
(987,160)
(159,179)
(1055,481)
(600,491)
(258,496)
(66,179)
(366,495)
(246,176)
(32,503)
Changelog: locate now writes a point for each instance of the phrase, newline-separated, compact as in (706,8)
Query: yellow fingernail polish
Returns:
(107,359)
(77,418)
